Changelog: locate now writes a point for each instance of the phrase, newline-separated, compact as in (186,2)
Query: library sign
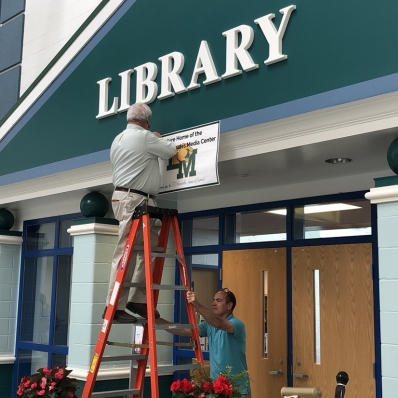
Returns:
(238,42)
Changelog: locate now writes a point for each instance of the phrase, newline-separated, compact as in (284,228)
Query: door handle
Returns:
(276,372)
(299,375)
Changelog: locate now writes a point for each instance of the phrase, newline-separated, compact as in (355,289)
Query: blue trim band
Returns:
(355,92)
(57,167)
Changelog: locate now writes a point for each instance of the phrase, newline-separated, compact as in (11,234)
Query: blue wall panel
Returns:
(9,89)
(10,8)
(11,34)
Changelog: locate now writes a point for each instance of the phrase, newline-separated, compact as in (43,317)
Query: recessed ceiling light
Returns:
(338,160)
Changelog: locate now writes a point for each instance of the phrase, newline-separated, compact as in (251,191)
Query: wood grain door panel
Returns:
(346,318)
(243,274)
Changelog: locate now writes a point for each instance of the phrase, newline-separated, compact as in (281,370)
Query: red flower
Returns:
(46,371)
(222,379)
(71,394)
(202,395)
(33,385)
(175,386)
(26,383)
(20,390)
(208,386)
(186,386)
(52,385)
(228,391)
(41,392)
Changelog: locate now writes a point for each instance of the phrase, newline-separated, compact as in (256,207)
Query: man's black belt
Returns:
(135,191)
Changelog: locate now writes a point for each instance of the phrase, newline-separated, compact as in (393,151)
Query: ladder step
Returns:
(176,368)
(155,212)
(167,326)
(115,393)
(157,252)
(156,286)
(129,357)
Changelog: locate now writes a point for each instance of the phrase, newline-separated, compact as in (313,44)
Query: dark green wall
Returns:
(6,380)
(329,45)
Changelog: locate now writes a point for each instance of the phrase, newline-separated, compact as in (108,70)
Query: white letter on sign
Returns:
(103,100)
(172,65)
(235,52)
(273,36)
(146,74)
(204,64)
(125,90)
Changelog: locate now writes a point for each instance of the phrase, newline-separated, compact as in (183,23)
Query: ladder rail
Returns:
(110,311)
(185,281)
(150,305)
(157,275)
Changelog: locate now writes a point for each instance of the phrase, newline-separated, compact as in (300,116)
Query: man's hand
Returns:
(156,134)
(191,298)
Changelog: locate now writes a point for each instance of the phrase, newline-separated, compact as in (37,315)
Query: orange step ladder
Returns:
(141,219)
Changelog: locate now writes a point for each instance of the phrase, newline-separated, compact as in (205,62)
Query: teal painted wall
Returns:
(6,380)
(329,45)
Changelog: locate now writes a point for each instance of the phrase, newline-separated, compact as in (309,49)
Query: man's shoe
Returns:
(122,317)
(140,309)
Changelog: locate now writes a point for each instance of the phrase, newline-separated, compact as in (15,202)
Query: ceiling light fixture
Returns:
(244,175)
(310,209)
(338,160)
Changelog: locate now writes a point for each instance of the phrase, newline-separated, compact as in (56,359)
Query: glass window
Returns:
(36,300)
(40,236)
(332,220)
(255,226)
(59,360)
(62,300)
(200,231)
(65,239)
(29,361)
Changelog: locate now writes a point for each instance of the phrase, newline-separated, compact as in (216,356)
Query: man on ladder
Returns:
(136,176)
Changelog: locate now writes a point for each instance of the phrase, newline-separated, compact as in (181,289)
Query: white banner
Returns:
(196,163)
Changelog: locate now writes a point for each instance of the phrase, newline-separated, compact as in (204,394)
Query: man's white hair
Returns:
(139,112)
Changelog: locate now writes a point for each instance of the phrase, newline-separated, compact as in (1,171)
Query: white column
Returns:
(386,198)
(10,258)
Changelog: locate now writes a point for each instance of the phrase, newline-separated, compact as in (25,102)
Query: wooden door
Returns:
(345,315)
(258,279)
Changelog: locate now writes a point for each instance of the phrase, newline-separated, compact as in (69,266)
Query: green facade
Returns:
(6,380)
(330,45)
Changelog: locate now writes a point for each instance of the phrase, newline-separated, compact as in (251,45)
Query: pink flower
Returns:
(59,374)
(20,390)
(33,385)
(46,371)
(43,382)
(71,394)
(41,392)
(52,385)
